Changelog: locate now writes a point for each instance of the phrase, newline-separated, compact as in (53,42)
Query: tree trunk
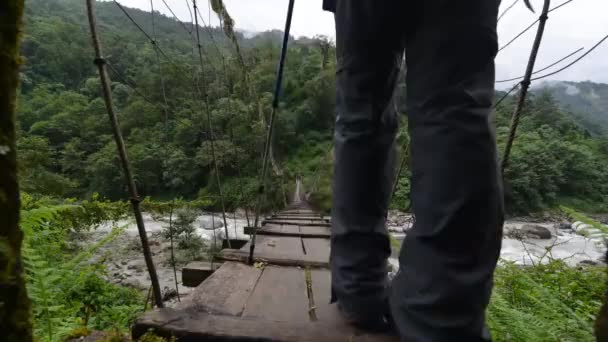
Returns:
(15,319)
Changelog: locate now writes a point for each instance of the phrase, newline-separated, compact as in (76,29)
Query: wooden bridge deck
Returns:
(284,297)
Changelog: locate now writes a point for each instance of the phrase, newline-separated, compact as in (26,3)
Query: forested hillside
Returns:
(65,143)
(66,148)
(587,100)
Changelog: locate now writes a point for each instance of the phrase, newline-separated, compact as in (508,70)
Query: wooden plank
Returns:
(280,295)
(274,230)
(297,219)
(301,224)
(315,230)
(319,248)
(298,216)
(275,259)
(196,272)
(272,246)
(226,291)
(321,288)
(187,325)
(293,221)
(290,230)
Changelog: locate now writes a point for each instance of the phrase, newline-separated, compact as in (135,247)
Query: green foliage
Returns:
(553,160)
(576,216)
(67,291)
(551,302)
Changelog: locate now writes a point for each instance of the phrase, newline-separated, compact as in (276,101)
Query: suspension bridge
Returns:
(275,286)
(284,295)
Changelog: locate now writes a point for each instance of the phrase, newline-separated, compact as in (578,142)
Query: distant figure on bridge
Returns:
(448,258)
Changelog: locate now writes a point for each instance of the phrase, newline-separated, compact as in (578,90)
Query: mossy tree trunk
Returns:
(15,321)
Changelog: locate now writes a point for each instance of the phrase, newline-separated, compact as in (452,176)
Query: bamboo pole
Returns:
(122,153)
(525,85)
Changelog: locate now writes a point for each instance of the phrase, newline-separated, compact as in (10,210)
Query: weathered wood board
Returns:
(279,296)
(286,298)
(226,291)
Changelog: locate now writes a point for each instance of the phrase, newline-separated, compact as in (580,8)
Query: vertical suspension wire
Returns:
(166,135)
(230,109)
(210,127)
(275,105)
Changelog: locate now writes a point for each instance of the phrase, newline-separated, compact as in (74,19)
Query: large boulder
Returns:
(210,222)
(534,231)
(527,231)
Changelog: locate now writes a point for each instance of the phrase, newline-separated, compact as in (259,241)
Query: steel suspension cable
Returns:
(545,68)
(532,25)
(166,136)
(211,136)
(575,61)
(275,105)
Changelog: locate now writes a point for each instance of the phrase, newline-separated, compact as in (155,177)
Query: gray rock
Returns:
(136,266)
(168,294)
(565,225)
(588,263)
(534,231)
(134,283)
(527,231)
(209,223)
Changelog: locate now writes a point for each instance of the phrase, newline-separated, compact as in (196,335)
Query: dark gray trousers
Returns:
(447,260)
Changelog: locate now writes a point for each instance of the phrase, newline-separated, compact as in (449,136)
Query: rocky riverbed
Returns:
(525,242)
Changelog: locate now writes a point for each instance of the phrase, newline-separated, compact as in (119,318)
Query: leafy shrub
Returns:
(551,302)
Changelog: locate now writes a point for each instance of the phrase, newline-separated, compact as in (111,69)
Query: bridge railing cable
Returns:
(532,25)
(545,68)
(600,42)
(507,10)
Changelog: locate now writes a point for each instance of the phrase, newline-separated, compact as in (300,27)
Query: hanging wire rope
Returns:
(225,72)
(207,28)
(230,109)
(131,85)
(275,105)
(166,136)
(545,68)
(211,135)
(506,10)
(506,95)
(182,24)
(573,62)
(532,25)
(600,42)
(147,35)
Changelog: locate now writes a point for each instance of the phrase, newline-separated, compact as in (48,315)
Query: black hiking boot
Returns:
(380,324)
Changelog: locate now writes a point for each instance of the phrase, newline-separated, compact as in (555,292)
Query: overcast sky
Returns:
(578,24)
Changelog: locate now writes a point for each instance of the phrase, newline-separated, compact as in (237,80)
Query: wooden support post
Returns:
(122,153)
(525,84)
(196,272)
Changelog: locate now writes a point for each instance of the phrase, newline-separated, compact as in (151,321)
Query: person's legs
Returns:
(448,258)
(369,51)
